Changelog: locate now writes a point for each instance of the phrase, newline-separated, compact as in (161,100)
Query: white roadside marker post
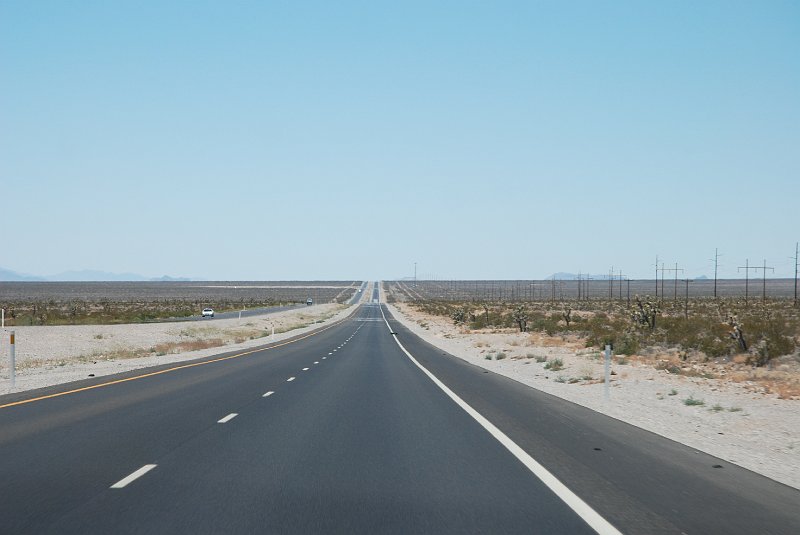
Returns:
(608,365)
(11,359)
(272,336)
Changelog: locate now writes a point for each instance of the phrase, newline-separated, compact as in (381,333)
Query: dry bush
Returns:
(189,345)
(786,385)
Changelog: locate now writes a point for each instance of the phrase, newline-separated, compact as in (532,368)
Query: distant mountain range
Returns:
(86,275)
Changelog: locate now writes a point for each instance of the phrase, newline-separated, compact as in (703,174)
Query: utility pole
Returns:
(588,278)
(676,270)
(795,272)
(629,292)
(686,300)
(415,274)
(747,269)
(611,284)
(764,280)
(676,280)
(662,269)
(620,284)
(716,264)
(579,285)
(656,276)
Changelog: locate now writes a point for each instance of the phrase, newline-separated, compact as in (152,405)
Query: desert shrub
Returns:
(541,322)
(773,338)
(691,401)
(603,330)
(554,365)
(628,343)
(701,333)
(459,315)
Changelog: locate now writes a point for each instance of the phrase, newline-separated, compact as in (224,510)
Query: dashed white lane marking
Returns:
(323,358)
(305,369)
(133,477)
(316,362)
(228,418)
(330,353)
(573,501)
(267,394)
(290,379)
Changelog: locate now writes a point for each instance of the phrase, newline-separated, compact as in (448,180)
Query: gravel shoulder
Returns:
(751,429)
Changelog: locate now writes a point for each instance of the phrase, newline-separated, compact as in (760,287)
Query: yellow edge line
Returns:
(181,367)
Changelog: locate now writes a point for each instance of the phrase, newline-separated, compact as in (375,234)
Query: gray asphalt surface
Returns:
(359,442)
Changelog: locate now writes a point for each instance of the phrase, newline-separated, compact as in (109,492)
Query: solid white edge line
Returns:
(228,418)
(267,394)
(122,483)
(581,508)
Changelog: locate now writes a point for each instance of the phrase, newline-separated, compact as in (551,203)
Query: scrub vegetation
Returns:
(703,329)
(755,342)
(115,303)
(80,312)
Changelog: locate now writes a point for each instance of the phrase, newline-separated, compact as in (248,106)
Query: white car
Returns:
(208,313)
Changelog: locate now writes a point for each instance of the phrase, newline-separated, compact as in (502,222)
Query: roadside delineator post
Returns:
(11,359)
(608,366)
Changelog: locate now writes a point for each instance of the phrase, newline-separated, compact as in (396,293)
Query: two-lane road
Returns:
(342,432)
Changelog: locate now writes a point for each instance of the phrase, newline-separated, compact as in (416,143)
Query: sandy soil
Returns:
(51,355)
(752,429)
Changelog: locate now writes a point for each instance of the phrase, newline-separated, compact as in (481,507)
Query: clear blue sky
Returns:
(348,140)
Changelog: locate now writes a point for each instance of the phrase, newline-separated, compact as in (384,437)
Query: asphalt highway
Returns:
(342,432)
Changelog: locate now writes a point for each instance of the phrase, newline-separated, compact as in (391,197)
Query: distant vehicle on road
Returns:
(309,301)
(208,313)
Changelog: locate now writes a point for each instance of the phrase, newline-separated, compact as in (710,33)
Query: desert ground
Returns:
(49,355)
(734,420)
(737,421)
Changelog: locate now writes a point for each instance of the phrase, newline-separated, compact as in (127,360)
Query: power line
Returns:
(747,267)
(676,270)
